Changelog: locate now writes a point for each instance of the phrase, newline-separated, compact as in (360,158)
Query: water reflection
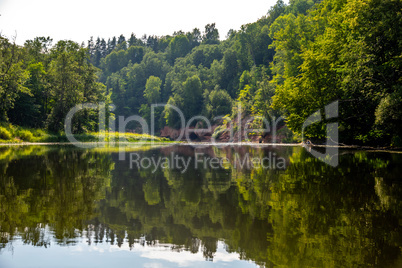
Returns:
(306,214)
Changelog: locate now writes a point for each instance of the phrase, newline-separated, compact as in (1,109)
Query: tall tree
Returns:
(132,41)
(179,46)
(211,34)
(73,81)
(152,90)
(121,39)
(12,75)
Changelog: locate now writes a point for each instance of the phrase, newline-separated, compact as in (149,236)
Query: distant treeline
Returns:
(292,62)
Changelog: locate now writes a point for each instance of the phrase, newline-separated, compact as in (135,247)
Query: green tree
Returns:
(152,90)
(73,81)
(31,109)
(230,72)
(194,37)
(133,41)
(172,118)
(192,97)
(187,96)
(211,34)
(179,46)
(218,103)
(12,76)
(352,57)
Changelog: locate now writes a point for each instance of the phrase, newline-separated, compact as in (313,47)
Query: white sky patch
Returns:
(182,258)
(78,20)
(80,254)
(153,265)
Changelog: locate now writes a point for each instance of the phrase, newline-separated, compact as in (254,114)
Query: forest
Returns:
(292,62)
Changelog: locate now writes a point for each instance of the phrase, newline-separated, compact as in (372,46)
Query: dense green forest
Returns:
(293,61)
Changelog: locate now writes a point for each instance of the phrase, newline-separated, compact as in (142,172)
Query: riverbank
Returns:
(10,134)
(200,144)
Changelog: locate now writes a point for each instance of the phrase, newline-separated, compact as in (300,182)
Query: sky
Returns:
(81,254)
(78,20)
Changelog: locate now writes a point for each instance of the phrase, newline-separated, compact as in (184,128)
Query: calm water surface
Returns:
(69,207)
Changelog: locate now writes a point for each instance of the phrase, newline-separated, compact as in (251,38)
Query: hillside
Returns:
(292,62)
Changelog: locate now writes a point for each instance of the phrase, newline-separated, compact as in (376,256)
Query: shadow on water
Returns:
(302,214)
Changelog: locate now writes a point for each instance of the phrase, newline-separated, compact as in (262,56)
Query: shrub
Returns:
(218,131)
(38,133)
(5,134)
(25,135)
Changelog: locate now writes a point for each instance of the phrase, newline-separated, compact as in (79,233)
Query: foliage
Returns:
(5,134)
(218,103)
(186,97)
(152,90)
(25,135)
(179,46)
(340,51)
(291,62)
(307,215)
(74,82)
(12,76)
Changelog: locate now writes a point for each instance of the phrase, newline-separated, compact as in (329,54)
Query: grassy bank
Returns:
(16,134)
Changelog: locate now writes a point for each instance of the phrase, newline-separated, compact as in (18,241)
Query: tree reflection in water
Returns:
(308,214)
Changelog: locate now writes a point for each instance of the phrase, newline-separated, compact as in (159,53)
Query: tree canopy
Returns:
(293,61)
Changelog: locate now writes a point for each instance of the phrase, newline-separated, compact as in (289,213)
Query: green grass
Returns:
(116,137)
(16,134)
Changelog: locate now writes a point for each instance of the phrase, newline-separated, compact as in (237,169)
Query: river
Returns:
(204,206)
